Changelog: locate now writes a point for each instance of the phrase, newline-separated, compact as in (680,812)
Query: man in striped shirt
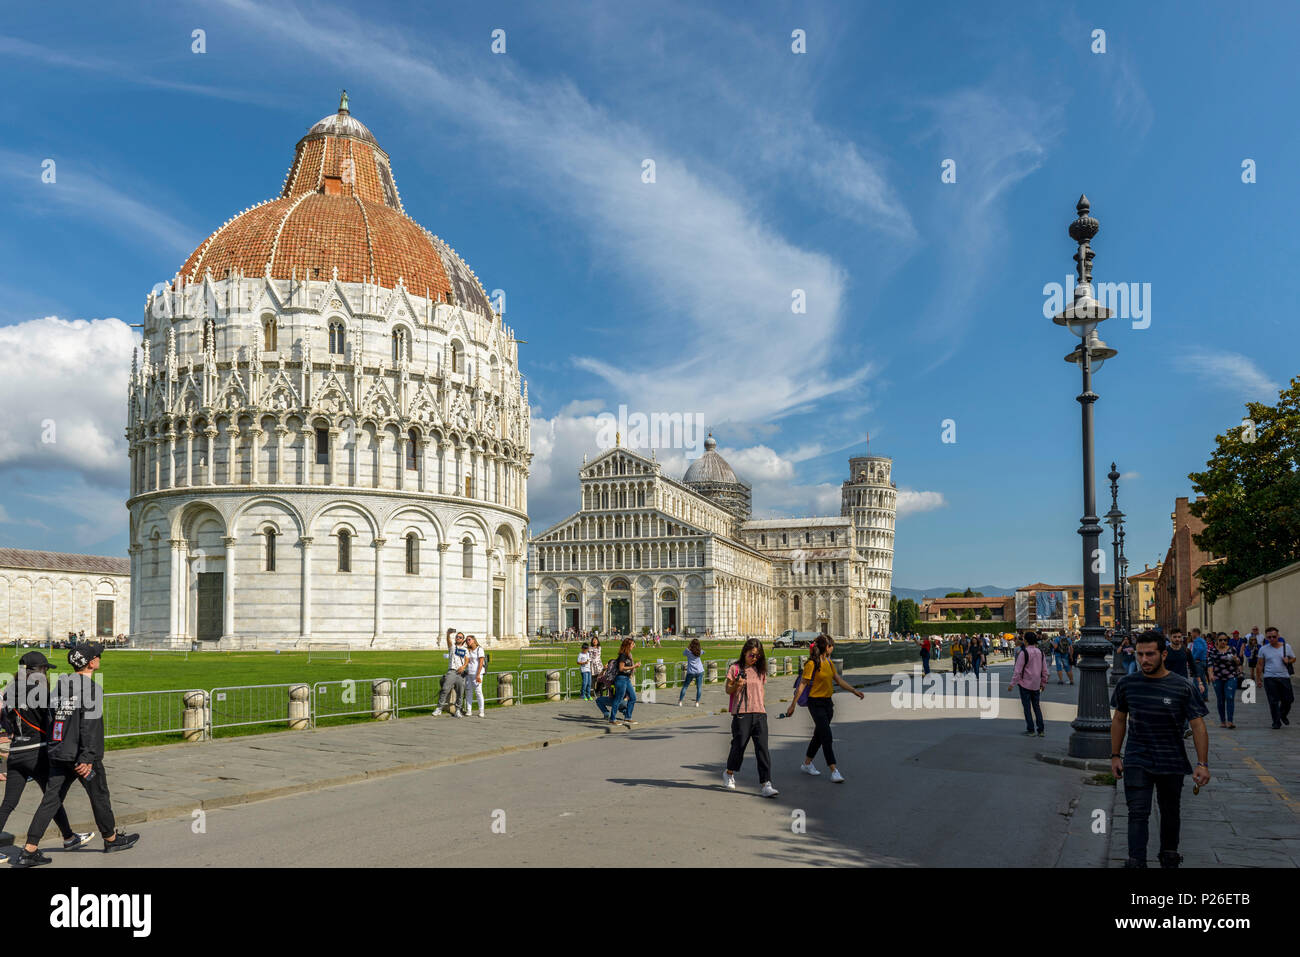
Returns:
(1151,706)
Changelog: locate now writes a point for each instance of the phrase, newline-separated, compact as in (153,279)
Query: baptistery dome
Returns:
(339,209)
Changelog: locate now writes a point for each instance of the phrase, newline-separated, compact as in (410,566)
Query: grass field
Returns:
(136,671)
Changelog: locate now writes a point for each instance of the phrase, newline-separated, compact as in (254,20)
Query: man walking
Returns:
(1273,666)
(454,679)
(1154,760)
(1062,655)
(1200,654)
(76,750)
(1030,676)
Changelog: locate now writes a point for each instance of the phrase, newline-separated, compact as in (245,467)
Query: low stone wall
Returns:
(1272,599)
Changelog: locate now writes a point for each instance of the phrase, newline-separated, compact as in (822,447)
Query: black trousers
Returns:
(1139,783)
(56,789)
(1280,698)
(22,766)
(746,728)
(821,710)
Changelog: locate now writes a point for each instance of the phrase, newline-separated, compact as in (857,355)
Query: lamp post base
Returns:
(1091,737)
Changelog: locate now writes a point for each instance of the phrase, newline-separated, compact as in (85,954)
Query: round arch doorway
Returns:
(572,611)
(669,621)
(620,607)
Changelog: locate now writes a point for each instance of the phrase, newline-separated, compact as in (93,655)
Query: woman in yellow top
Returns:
(820,675)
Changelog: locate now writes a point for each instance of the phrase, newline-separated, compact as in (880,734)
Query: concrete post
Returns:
(381,699)
(661,675)
(552,686)
(299,707)
(194,719)
(711,671)
(506,689)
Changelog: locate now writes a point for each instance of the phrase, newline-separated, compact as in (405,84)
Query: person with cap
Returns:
(25,721)
(76,750)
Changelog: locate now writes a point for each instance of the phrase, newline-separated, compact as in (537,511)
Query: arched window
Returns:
(412,554)
(399,344)
(268,334)
(336,338)
(796,602)
(467,559)
(457,358)
(270,549)
(155,554)
(411,445)
(345,550)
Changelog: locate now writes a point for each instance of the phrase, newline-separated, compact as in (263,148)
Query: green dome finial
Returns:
(343,102)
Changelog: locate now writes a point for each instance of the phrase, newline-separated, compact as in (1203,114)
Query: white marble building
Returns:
(45,595)
(646,551)
(328,427)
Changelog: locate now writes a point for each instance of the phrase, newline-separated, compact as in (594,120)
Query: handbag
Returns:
(803,695)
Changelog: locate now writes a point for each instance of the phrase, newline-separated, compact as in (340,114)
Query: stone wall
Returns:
(40,605)
(1269,600)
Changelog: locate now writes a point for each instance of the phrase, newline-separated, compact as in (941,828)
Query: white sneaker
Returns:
(768,791)
(697,704)
(437,711)
(460,714)
(837,777)
(728,781)
(809,769)
(679,702)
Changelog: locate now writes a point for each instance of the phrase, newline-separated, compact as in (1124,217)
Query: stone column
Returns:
(189,455)
(511,596)
(379,586)
(171,458)
(228,579)
(210,470)
(442,589)
(308,455)
(305,541)
(421,463)
(179,589)
(232,458)
(280,471)
(380,436)
(336,457)
(443,446)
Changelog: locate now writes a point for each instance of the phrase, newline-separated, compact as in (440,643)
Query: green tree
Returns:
(949,615)
(893,613)
(956,594)
(908,615)
(1251,489)
(968,615)
(986,613)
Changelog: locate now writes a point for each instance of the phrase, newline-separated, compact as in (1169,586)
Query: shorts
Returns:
(1062,661)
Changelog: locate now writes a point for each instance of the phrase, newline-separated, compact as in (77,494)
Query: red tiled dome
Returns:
(339,208)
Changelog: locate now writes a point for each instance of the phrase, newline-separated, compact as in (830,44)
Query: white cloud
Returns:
(65,380)
(1129,476)
(1230,371)
(911,501)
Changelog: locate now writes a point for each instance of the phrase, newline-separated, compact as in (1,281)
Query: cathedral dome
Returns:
(710,467)
(339,209)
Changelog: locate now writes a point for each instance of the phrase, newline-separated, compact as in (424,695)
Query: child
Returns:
(584,666)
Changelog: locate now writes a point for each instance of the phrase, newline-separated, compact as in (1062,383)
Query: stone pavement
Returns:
(1249,813)
(156,783)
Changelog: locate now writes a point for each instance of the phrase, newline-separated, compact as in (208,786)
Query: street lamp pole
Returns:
(1091,737)
(1123,577)
(1115,518)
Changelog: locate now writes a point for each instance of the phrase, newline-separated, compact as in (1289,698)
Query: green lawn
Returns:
(139,671)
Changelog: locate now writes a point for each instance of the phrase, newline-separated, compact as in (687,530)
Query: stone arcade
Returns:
(328,428)
(645,551)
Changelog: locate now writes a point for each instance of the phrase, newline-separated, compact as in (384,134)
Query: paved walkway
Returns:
(149,784)
(1249,813)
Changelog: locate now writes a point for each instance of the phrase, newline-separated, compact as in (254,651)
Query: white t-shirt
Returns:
(1272,658)
(472,659)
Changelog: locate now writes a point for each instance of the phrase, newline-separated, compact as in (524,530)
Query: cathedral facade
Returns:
(647,552)
(328,430)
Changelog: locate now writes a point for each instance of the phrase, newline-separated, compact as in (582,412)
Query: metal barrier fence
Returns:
(147,712)
(417,691)
(348,696)
(243,705)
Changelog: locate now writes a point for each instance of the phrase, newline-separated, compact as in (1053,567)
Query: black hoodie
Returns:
(77,722)
(28,720)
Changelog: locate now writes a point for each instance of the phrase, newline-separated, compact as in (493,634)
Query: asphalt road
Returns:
(924,788)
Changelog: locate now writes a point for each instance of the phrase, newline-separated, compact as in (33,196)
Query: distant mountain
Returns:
(916,594)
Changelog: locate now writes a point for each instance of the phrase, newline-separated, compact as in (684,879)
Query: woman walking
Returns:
(694,671)
(1225,671)
(819,677)
(1128,655)
(746,681)
(623,677)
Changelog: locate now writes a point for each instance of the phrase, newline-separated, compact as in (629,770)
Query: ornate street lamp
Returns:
(1115,519)
(1123,577)
(1091,737)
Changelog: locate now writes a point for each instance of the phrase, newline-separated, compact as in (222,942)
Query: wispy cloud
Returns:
(1231,372)
(912,501)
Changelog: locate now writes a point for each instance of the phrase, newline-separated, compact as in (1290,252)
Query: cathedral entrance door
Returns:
(669,623)
(211,606)
(571,619)
(496,612)
(620,617)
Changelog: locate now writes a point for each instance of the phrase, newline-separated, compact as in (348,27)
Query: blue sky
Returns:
(775,171)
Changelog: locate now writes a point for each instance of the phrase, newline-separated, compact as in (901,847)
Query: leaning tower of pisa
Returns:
(870,499)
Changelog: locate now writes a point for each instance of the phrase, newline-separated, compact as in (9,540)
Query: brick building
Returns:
(1003,607)
(1177,586)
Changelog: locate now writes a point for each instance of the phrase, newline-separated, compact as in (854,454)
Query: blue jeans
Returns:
(699,686)
(975,665)
(1225,692)
(1132,665)
(586,685)
(1062,662)
(622,689)
(1027,699)
(602,702)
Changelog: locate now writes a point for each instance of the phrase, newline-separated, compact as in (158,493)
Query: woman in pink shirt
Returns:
(746,679)
(1030,677)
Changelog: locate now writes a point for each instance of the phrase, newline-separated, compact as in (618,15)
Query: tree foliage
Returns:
(1251,489)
